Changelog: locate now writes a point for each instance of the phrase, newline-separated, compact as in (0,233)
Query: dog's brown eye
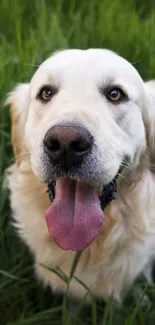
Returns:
(46,93)
(115,95)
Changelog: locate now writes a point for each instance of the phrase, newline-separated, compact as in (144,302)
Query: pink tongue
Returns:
(75,216)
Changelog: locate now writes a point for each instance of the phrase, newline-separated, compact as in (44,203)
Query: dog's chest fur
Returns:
(121,251)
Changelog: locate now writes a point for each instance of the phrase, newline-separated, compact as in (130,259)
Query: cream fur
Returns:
(125,246)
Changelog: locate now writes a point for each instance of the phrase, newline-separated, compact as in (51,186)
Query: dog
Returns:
(84,126)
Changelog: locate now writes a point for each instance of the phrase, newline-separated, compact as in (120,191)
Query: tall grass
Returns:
(29,32)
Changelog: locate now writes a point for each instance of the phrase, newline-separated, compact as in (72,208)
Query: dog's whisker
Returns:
(135,62)
(32,65)
(23,155)
(122,176)
(126,166)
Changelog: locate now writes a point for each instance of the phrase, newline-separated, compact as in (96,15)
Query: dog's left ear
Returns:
(18,99)
(149,120)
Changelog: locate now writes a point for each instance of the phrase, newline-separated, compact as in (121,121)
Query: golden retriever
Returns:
(84,127)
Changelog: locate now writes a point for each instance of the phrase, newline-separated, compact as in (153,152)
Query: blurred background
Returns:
(30,31)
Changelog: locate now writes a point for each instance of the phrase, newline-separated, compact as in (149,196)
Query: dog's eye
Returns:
(115,95)
(46,93)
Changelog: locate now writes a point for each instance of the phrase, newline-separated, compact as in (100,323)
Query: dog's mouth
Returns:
(76,213)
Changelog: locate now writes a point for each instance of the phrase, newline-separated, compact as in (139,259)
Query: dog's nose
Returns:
(67,145)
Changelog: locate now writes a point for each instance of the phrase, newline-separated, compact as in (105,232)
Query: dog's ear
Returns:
(149,120)
(18,99)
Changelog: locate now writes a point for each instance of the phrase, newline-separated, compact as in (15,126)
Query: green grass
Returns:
(29,31)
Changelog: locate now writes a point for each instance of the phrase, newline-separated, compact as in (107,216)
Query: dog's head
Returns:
(81,118)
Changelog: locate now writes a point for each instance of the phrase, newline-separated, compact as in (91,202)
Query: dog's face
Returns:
(83,121)
(95,94)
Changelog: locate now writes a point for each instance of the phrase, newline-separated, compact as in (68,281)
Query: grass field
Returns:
(29,31)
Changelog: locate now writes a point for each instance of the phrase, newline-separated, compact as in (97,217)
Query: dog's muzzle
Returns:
(76,213)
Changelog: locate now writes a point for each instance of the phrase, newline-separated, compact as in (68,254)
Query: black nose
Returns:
(67,145)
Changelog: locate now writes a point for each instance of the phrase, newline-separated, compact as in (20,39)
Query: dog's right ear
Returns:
(18,99)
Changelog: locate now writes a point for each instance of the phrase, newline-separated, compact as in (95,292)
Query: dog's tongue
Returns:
(75,216)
